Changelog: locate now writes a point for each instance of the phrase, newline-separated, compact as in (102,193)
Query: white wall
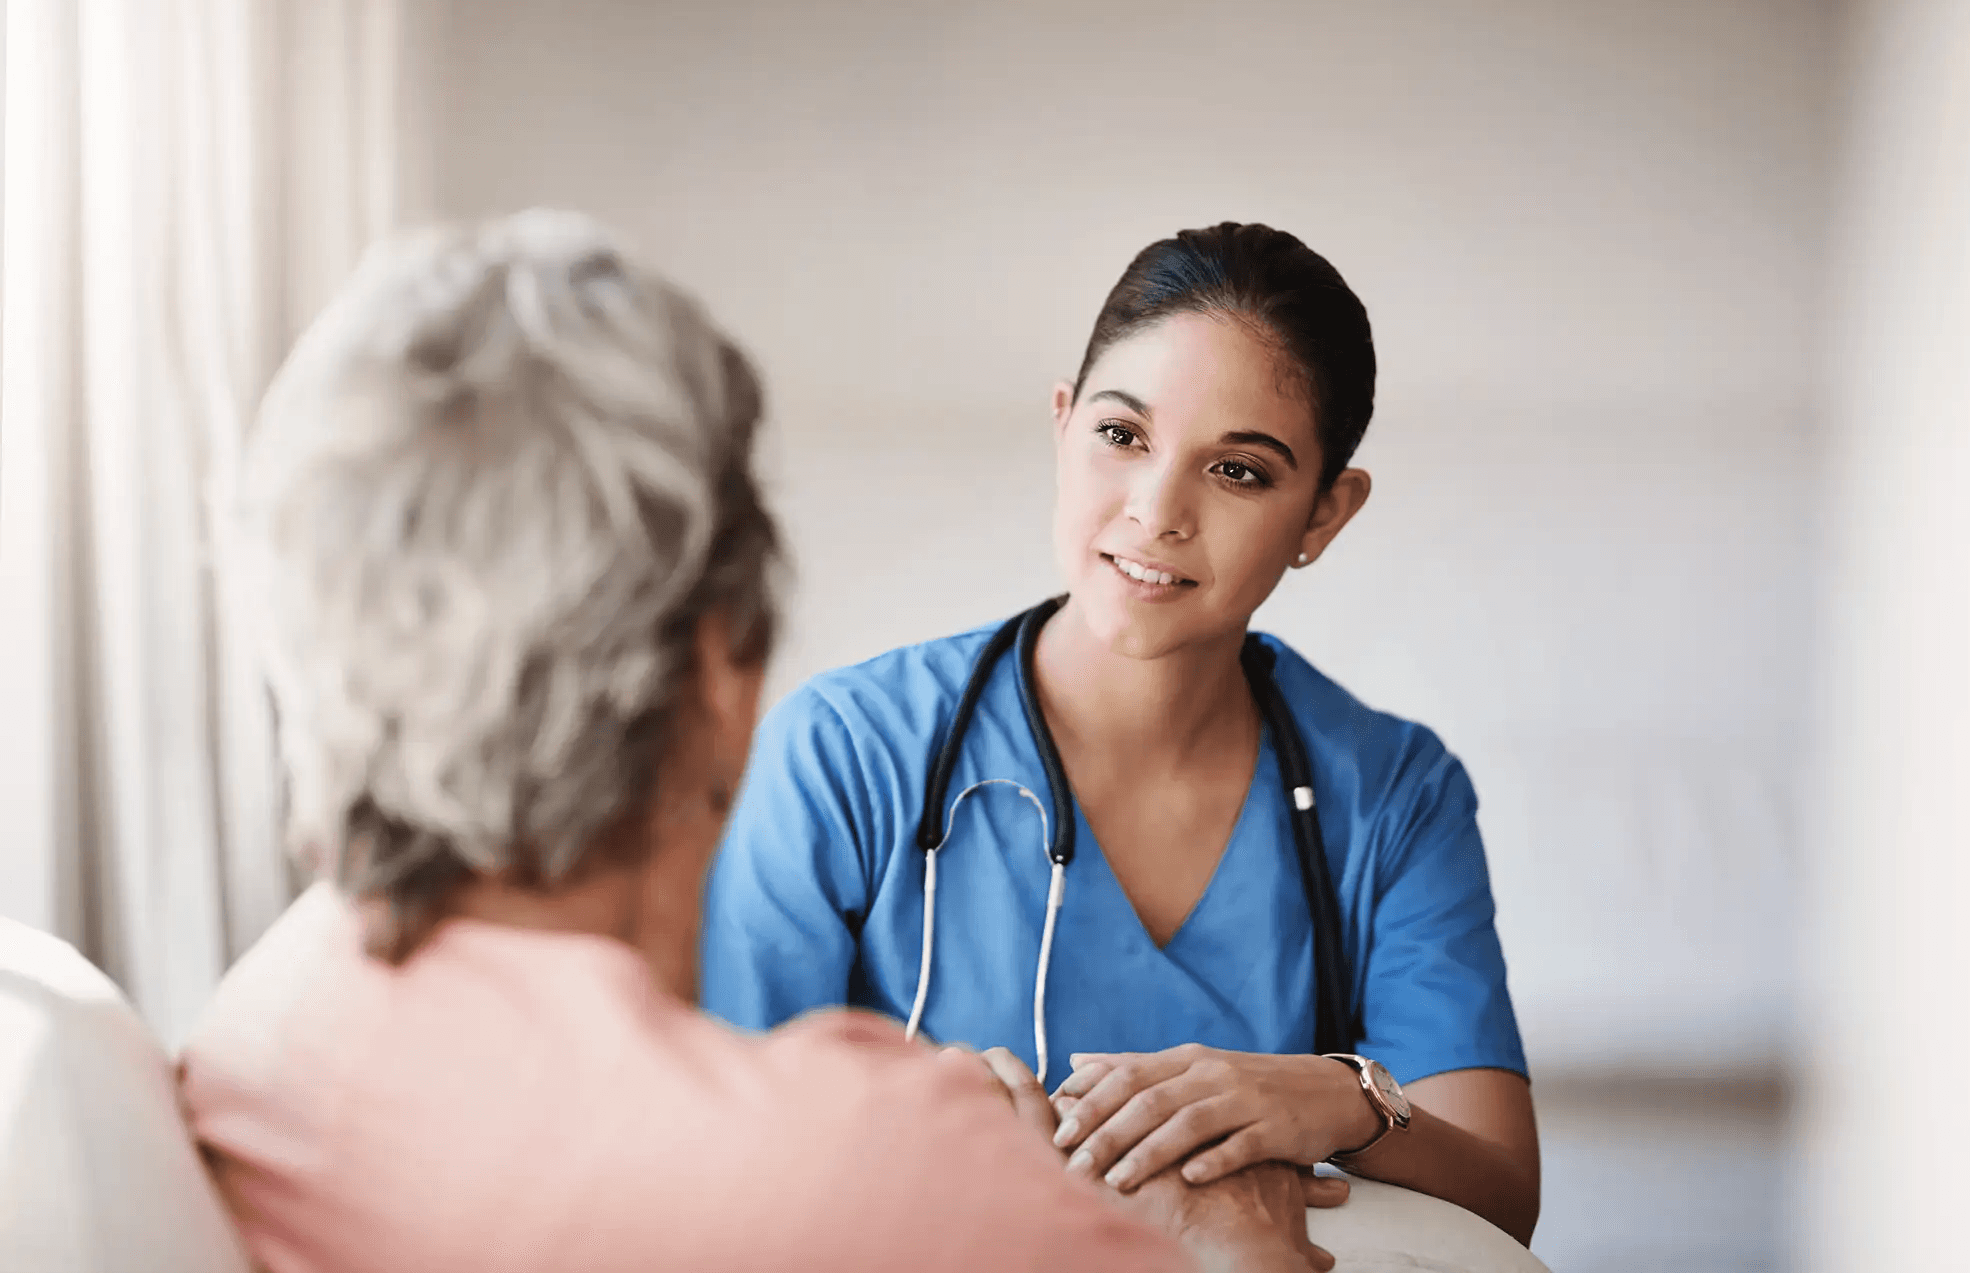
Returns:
(1589,237)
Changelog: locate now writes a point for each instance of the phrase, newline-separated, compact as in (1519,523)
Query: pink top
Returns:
(515,1100)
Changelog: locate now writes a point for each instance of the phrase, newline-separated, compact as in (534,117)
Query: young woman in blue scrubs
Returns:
(1202,452)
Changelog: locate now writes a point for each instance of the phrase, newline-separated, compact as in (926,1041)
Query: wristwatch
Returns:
(1384,1093)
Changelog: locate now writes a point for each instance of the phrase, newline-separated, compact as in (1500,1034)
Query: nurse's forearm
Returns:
(1439,1158)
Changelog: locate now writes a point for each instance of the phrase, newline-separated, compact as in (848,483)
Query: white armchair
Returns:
(97,1172)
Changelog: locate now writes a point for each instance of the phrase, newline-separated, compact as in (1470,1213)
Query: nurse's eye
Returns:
(1117,434)
(1239,473)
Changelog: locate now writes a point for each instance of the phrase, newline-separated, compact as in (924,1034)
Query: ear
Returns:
(1334,509)
(1063,406)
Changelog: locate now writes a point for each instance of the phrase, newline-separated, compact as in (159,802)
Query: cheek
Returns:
(1252,553)
(1085,499)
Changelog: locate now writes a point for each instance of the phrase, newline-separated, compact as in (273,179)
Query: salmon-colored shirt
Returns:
(516,1101)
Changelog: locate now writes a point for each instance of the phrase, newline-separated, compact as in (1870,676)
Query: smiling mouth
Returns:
(1140,573)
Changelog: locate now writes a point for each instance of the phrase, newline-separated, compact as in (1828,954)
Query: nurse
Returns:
(1202,452)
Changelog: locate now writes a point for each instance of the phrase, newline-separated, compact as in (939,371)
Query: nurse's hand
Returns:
(1132,1114)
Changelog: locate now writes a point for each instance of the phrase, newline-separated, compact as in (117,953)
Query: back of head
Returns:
(1291,297)
(484,505)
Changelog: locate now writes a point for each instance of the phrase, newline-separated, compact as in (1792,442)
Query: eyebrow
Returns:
(1265,440)
(1128,400)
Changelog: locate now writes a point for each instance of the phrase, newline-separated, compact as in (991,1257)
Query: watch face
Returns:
(1390,1089)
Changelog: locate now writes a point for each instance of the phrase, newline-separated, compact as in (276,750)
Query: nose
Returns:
(1160,503)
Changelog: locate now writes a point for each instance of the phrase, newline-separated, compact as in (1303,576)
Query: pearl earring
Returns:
(1303,559)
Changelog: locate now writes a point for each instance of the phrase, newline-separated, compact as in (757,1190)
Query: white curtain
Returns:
(185,181)
(1884,1137)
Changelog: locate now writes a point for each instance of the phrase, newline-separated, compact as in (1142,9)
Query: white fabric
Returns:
(186,180)
(97,1172)
(1383,1229)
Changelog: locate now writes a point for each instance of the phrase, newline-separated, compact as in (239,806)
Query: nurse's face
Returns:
(1188,482)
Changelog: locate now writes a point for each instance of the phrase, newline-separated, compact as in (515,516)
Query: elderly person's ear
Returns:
(728,691)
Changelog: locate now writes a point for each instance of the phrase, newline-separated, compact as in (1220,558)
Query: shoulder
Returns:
(895,703)
(1392,756)
(901,683)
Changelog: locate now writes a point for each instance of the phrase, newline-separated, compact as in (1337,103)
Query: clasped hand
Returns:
(1129,1115)
(1249,1217)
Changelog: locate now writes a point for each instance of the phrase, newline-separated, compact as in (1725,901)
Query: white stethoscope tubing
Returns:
(1056,894)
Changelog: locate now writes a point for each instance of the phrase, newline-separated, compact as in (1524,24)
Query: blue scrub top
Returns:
(816,897)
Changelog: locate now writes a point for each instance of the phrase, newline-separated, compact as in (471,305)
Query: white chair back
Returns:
(97,1171)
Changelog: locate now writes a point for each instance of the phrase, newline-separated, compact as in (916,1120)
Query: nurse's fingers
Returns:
(1173,1139)
(1064,1099)
(1241,1149)
(1105,1099)
(1029,1099)
(1140,1113)
(1140,1069)
(1090,1068)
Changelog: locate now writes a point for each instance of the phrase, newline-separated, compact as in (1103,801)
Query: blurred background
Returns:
(1667,538)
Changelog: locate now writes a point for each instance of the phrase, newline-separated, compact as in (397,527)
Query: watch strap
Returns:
(1375,1098)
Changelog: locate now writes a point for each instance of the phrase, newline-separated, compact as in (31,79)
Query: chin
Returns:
(1124,629)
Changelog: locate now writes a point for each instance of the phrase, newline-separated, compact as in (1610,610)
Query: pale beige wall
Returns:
(1589,234)
(1886,1008)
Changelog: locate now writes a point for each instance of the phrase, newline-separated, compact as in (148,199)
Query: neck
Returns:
(646,905)
(1163,710)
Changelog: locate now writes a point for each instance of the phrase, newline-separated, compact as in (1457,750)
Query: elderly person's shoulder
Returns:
(461,1100)
(308,1006)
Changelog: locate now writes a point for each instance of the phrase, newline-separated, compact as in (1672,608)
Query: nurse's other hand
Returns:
(1132,1114)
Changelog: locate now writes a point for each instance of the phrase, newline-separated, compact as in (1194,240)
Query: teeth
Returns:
(1135,570)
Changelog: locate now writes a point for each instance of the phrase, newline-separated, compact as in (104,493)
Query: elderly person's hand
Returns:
(1021,1088)
(1250,1221)
(1253,1218)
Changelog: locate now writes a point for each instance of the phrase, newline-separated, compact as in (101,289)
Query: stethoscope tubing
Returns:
(1336,1021)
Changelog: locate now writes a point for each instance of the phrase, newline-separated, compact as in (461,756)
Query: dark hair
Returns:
(1271,280)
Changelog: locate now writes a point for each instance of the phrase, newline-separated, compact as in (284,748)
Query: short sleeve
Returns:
(1434,994)
(791,874)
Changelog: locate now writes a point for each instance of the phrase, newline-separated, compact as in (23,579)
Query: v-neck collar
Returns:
(1084,837)
(1199,916)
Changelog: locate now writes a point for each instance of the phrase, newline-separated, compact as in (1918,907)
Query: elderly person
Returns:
(499,524)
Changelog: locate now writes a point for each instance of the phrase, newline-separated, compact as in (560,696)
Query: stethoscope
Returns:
(1335,1026)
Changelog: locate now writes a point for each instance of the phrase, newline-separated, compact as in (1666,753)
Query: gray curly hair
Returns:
(484,505)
